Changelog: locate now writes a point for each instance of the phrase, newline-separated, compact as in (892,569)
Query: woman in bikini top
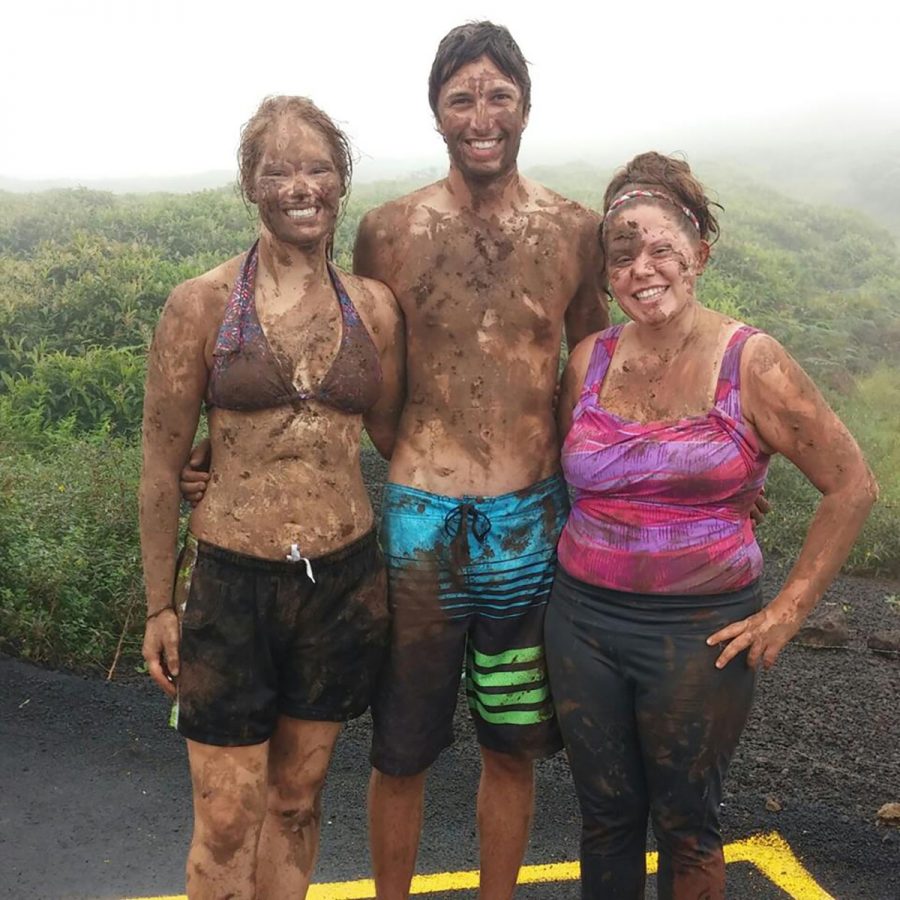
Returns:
(291,359)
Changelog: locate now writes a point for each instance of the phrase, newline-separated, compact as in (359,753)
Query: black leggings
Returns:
(650,726)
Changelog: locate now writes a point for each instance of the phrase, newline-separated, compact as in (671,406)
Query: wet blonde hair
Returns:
(270,111)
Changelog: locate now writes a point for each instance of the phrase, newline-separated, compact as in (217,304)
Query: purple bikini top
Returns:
(248,375)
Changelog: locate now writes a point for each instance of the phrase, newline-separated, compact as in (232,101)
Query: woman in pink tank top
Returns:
(656,623)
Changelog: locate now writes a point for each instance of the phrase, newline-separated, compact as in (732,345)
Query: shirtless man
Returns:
(487,267)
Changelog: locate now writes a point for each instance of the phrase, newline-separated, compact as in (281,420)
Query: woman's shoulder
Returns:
(206,293)
(762,353)
(580,357)
(606,336)
(195,308)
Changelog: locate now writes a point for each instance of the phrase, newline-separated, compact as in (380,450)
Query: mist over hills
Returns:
(150,184)
(839,156)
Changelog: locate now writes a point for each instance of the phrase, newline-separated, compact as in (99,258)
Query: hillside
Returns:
(84,274)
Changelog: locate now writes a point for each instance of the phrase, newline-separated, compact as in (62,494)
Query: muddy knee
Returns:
(298,813)
(227,828)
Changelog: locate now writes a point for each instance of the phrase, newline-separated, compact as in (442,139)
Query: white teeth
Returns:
(307,213)
(485,145)
(649,292)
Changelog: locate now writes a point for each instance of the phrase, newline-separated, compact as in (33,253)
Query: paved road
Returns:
(95,803)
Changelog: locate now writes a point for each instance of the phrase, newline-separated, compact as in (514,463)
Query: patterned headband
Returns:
(656,195)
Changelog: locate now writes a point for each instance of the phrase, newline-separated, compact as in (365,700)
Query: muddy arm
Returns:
(572,384)
(588,310)
(791,417)
(176,380)
(383,418)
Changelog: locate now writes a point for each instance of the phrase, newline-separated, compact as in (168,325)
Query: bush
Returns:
(88,292)
(70,568)
(100,391)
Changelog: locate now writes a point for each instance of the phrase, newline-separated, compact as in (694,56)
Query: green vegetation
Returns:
(70,582)
(84,274)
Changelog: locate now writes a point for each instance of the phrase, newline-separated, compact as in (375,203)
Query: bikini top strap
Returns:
(349,313)
(238,311)
(728,386)
(601,356)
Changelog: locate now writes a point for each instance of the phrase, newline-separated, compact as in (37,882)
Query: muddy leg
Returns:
(690,723)
(395,824)
(594,702)
(289,842)
(229,786)
(505,808)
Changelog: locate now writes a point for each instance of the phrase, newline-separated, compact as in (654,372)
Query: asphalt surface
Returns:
(95,795)
(95,803)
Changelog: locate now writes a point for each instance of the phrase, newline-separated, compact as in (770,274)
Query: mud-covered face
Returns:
(480,114)
(651,264)
(296,186)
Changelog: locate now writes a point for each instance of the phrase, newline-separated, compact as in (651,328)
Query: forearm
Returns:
(159,509)
(835,526)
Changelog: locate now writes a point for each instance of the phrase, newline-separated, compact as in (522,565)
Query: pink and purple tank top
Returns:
(662,507)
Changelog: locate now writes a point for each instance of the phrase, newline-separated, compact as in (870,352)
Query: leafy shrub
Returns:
(85,293)
(70,570)
(101,390)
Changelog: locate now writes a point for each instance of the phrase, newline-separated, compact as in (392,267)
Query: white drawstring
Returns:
(294,556)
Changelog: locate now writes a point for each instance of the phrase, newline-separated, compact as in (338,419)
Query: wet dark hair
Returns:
(270,111)
(465,44)
(670,176)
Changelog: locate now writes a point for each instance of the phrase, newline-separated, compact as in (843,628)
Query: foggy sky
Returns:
(116,89)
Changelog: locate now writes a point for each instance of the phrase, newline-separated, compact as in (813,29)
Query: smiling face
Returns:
(480,113)
(296,184)
(651,263)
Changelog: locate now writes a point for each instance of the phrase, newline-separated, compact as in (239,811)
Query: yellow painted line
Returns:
(770,854)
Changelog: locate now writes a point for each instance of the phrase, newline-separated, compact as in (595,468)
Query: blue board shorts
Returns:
(469,578)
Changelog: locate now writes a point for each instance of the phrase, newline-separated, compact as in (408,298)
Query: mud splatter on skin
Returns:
(296,171)
(231,804)
(666,363)
(270,463)
(479,102)
(484,319)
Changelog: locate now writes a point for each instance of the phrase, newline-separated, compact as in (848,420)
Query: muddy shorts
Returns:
(259,639)
(469,578)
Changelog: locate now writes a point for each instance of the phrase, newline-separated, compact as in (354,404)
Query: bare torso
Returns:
(290,473)
(484,298)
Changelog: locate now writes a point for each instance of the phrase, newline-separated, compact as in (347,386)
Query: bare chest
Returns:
(660,389)
(515,282)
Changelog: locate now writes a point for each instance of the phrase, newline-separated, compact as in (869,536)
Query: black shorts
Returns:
(260,640)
